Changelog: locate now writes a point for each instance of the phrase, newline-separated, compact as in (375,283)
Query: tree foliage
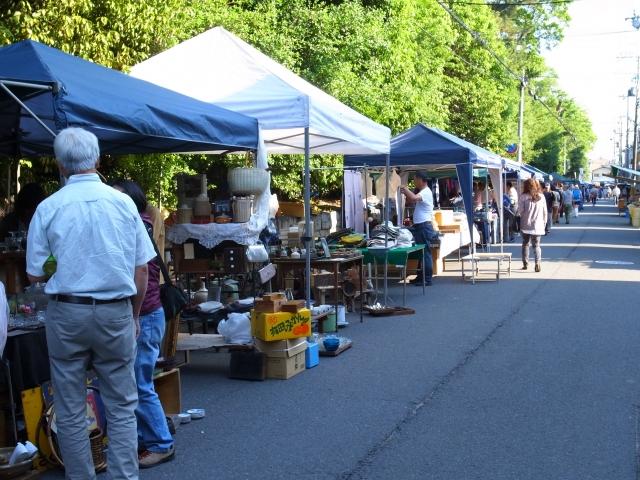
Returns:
(398,62)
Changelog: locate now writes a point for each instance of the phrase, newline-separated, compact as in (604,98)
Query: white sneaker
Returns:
(20,454)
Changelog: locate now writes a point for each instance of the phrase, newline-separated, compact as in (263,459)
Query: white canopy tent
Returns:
(218,67)
(295,117)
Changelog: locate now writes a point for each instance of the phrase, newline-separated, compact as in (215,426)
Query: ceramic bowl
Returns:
(184,417)
(331,344)
(196,413)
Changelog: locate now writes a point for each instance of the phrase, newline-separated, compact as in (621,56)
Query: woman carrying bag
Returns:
(532,209)
(154,438)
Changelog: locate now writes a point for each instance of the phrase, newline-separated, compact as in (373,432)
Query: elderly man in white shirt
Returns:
(102,248)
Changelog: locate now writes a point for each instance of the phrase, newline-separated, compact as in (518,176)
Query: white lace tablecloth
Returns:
(211,234)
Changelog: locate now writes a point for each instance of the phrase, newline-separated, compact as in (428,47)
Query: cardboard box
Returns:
(294,306)
(281,325)
(267,306)
(274,296)
(281,348)
(284,358)
(270,303)
(284,368)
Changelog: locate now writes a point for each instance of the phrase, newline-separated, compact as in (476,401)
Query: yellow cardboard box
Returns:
(281,325)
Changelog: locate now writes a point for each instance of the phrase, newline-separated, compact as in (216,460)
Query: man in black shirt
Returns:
(548,196)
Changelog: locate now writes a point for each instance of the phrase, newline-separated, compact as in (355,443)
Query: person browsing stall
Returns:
(155,441)
(533,211)
(102,249)
(422,228)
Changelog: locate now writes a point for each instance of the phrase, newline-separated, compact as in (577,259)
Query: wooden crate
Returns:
(167,386)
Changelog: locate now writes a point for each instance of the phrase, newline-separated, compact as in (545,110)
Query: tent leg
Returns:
(486,203)
(308,238)
(386,234)
(366,205)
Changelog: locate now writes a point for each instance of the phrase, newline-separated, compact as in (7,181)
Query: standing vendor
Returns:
(422,227)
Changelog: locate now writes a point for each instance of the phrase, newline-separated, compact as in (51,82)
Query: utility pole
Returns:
(626,145)
(523,85)
(620,159)
(635,121)
(635,22)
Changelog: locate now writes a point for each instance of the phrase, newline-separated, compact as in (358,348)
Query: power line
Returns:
(478,38)
(514,4)
(598,34)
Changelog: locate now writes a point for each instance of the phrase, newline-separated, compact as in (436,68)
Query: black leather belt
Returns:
(84,300)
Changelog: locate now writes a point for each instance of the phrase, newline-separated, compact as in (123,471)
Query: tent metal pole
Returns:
(473,242)
(366,225)
(501,207)
(486,203)
(366,205)
(386,233)
(33,86)
(307,218)
(503,183)
(27,109)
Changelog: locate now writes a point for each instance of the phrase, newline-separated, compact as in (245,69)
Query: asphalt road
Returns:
(534,377)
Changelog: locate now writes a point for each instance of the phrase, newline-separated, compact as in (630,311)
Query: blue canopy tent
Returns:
(44,90)
(423,146)
(534,172)
(625,174)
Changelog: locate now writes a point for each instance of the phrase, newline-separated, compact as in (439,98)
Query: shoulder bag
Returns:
(172,297)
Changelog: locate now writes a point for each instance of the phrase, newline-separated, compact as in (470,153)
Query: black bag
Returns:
(172,297)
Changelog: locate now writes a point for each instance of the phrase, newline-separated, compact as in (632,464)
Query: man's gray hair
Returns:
(76,150)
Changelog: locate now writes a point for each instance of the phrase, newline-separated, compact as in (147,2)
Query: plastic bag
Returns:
(405,238)
(236,328)
(274,205)
(257,253)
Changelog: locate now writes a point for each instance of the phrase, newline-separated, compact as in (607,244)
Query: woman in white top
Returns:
(532,208)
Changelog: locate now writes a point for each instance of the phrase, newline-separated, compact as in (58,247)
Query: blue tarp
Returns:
(127,115)
(429,146)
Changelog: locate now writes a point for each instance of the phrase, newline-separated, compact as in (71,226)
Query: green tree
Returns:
(115,33)
(480,94)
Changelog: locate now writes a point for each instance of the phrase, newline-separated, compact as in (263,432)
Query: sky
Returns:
(591,71)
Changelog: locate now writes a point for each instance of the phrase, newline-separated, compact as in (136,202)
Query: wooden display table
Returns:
(335,265)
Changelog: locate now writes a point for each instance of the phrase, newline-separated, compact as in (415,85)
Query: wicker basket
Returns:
(248,181)
(97,450)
